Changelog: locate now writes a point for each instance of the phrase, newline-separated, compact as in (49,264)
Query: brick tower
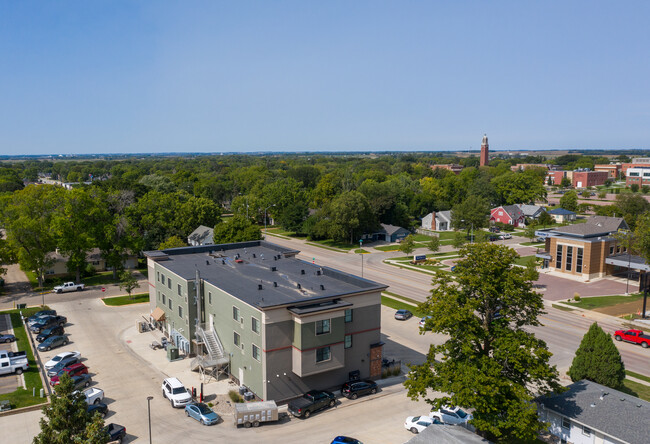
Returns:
(485,149)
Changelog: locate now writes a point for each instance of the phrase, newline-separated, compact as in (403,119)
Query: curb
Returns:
(603,315)
(31,408)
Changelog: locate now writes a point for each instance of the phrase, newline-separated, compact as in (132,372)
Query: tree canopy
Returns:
(597,359)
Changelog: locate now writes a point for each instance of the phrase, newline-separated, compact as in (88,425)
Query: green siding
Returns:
(305,337)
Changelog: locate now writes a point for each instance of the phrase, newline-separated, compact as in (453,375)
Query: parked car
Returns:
(451,415)
(115,432)
(68,286)
(93,395)
(47,322)
(505,236)
(71,370)
(7,338)
(62,356)
(61,365)
(310,402)
(423,321)
(13,362)
(39,314)
(53,342)
(52,331)
(345,440)
(495,230)
(416,424)
(202,413)
(403,315)
(175,391)
(99,407)
(634,336)
(353,390)
(82,381)
(540,239)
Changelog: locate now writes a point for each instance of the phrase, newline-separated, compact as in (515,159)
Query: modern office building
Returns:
(638,175)
(277,324)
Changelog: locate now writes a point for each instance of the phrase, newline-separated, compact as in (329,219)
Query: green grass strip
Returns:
(398,296)
(117,301)
(605,301)
(562,307)
(637,389)
(397,305)
(637,376)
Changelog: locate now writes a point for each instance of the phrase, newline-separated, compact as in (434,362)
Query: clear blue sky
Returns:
(157,76)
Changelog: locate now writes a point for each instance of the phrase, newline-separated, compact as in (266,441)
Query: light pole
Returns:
(265,216)
(471,236)
(361,254)
(149,398)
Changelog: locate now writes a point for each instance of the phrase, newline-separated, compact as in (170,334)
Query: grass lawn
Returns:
(22,397)
(448,255)
(324,244)
(397,296)
(638,376)
(361,251)
(126,300)
(532,244)
(398,305)
(525,260)
(605,301)
(388,248)
(637,389)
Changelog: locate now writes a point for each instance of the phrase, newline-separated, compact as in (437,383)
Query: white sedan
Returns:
(451,415)
(505,236)
(416,424)
(55,360)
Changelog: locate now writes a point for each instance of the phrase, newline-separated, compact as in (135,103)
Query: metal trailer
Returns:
(253,413)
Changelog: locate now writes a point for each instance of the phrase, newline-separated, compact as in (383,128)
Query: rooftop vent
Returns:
(302,271)
(275,258)
(322,287)
(207,262)
(299,286)
(275,284)
(274,269)
(254,255)
(223,262)
(259,286)
(317,272)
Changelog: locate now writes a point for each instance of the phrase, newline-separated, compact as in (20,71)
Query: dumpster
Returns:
(172,352)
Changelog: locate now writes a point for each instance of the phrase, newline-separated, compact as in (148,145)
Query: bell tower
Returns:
(485,149)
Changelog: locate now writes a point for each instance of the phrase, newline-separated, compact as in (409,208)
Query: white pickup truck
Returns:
(13,362)
(68,286)
(93,395)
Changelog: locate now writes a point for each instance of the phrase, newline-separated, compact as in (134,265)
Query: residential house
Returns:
(94,258)
(508,214)
(437,221)
(453,167)
(581,250)
(201,236)
(560,215)
(276,324)
(388,233)
(531,211)
(590,413)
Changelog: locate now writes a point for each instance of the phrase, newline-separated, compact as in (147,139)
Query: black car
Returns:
(355,389)
(115,432)
(52,331)
(100,408)
(48,322)
(63,363)
(7,338)
(82,381)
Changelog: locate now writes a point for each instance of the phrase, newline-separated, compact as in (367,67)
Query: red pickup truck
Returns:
(635,336)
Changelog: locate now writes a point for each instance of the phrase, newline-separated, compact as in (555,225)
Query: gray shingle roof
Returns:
(600,408)
(391,229)
(530,210)
(444,215)
(514,211)
(202,235)
(594,226)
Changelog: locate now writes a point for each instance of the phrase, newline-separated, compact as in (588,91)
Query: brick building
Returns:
(639,176)
(612,170)
(580,179)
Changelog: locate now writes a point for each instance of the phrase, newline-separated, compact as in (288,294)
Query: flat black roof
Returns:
(241,268)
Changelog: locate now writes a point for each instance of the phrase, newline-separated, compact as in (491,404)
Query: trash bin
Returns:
(249,396)
(21,306)
(172,352)
(242,389)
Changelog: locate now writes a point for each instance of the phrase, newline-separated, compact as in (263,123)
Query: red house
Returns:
(507,214)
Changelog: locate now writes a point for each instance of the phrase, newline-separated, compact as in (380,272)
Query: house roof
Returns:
(561,212)
(601,408)
(240,268)
(202,235)
(513,211)
(530,210)
(444,215)
(446,434)
(594,226)
(391,229)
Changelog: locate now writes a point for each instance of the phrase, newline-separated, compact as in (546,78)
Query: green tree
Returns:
(598,360)
(350,216)
(529,232)
(434,244)
(634,188)
(236,229)
(565,182)
(490,363)
(66,420)
(642,237)
(521,187)
(459,239)
(408,245)
(569,201)
(586,194)
(128,282)
(631,206)
(602,195)
(471,213)
(197,211)
(172,242)
(545,219)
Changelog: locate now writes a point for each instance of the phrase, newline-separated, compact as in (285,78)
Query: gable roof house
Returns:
(561,215)
(589,412)
(59,267)
(388,233)
(531,211)
(437,221)
(201,236)
(508,214)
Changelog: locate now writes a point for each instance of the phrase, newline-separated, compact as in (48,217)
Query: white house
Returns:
(437,221)
(201,236)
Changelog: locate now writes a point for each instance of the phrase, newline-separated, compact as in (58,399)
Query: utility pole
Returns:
(361,253)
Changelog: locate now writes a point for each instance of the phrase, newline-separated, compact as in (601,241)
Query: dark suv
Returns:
(52,331)
(355,389)
(48,322)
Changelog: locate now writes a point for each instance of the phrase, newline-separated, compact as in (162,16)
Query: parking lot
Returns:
(122,364)
(8,383)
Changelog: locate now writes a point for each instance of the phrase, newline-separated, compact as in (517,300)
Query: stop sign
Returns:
(103,289)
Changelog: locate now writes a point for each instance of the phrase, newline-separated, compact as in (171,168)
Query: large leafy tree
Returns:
(630,206)
(236,229)
(66,420)
(598,360)
(471,213)
(490,362)
(521,187)
(569,201)
(349,216)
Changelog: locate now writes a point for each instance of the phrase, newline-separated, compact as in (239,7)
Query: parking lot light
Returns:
(149,398)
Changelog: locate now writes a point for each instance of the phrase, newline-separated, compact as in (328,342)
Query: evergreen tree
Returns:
(598,360)
(67,420)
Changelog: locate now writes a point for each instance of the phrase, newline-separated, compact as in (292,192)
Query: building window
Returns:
(255,325)
(558,257)
(569,258)
(209,297)
(164,299)
(323,354)
(348,315)
(618,249)
(169,283)
(180,312)
(586,431)
(256,353)
(158,295)
(170,303)
(237,339)
(180,293)
(323,327)
(235,313)
(162,279)
(566,423)
(579,260)
(611,250)
(158,276)
(348,341)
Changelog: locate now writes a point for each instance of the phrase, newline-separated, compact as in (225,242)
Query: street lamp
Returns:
(149,398)
(265,216)
(361,254)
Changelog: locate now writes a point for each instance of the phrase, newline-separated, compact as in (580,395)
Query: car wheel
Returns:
(164,395)
(7,340)
(79,288)
(61,324)
(87,384)
(48,349)
(373,391)
(644,344)
(332,403)
(19,371)
(96,401)
(247,425)
(307,414)
(354,396)
(65,342)
(187,413)
(617,337)
(256,423)
(203,422)
(172,403)
(414,430)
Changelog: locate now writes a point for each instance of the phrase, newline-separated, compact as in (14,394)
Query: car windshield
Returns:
(204,409)
(179,390)
(461,413)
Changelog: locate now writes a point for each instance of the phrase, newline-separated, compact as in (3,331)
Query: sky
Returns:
(79,77)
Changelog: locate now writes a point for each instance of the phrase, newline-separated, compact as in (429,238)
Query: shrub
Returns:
(235,397)
(576,297)
(634,187)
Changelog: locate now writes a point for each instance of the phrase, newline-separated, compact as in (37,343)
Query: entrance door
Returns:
(211,322)
(241,376)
